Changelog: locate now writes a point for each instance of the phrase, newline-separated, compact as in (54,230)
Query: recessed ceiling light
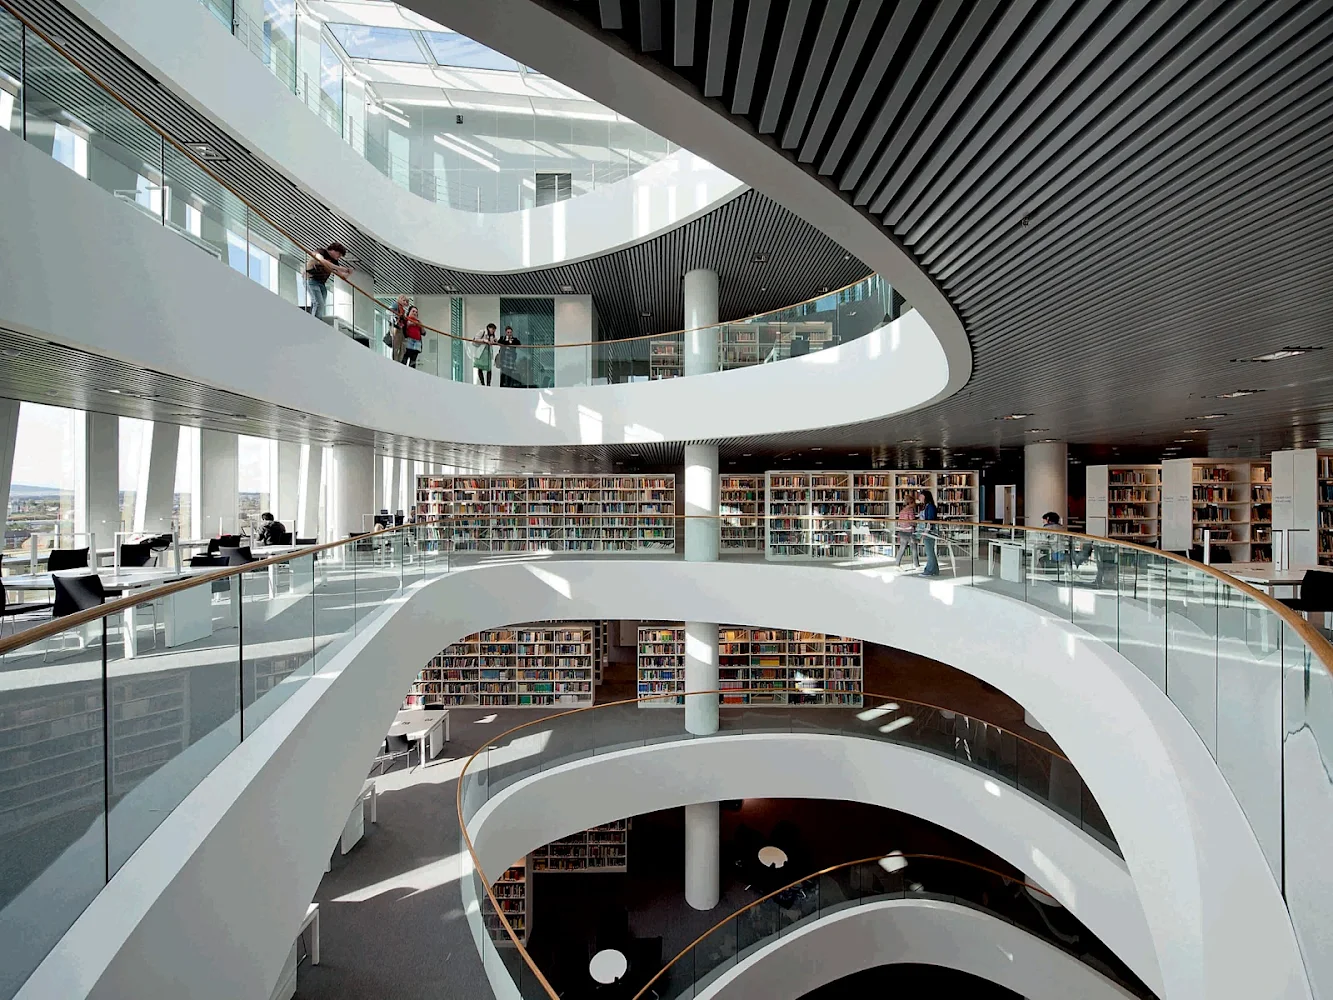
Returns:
(1195,430)
(240,416)
(763,289)
(1034,430)
(1014,416)
(1236,394)
(816,449)
(853,454)
(759,257)
(646,315)
(1286,352)
(746,454)
(205,151)
(823,290)
(635,455)
(114,392)
(1183,441)
(1210,416)
(566,288)
(846,256)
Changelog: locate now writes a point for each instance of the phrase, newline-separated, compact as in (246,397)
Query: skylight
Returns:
(452,49)
(388,44)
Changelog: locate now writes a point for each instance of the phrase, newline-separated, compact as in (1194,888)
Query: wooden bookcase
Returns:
(602,849)
(741,503)
(1231,498)
(813,515)
(1125,501)
(738,345)
(664,357)
(756,658)
(566,513)
(1303,504)
(522,666)
(511,891)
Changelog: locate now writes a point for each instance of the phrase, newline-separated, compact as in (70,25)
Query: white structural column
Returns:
(351,492)
(159,492)
(701,333)
(97,480)
(703,846)
(701,711)
(307,490)
(218,482)
(286,505)
(703,530)
(1045,481)
(9,431)
(703,860)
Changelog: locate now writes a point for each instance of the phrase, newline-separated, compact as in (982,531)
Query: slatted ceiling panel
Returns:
(625,284)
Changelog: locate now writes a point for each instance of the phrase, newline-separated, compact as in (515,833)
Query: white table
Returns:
(355,827)
(1266,577)
(1011,558)
(772,857)
(607,966)
(428,728)
(312,921)
(303,570)
(188,614)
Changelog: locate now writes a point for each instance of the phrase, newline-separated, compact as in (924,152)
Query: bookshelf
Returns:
(600,849)
(741,503)
(522,666)
(738,345)
(813,515)
(601,648)
(1230,498)
(51,743)
(511,892)
(1125,501)
(661,663)
(757,658)
(664,357)
(565,513)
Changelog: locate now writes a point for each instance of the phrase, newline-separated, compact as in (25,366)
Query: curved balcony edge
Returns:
(1207,894)
(142,305)
(1084,875)
(916,931)
(225,82)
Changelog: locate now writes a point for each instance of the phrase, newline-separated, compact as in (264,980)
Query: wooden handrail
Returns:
(545,720)
(824,871)
(202,165)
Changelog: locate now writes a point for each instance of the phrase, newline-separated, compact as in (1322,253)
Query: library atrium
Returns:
(666,499)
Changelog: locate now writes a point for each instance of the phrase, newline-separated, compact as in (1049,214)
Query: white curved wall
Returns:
(538,36)
(64,224)
(183,46)
(924,932)
(1210,903)
(1093,884)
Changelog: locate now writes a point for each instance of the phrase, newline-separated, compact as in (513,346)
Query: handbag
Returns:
(388,339)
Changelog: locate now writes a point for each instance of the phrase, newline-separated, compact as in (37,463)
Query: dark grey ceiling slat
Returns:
(978,14)
(1111,44)
(1049,44)
(941,116)
(719,38)
(889,42)
(612,18)
(867,11)
(650,25)
(1145,73)
(684,19)
(816,66)
(756,21)
(1184,122)
(793,27)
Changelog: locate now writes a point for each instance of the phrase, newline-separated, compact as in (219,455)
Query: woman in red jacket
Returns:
(411,337)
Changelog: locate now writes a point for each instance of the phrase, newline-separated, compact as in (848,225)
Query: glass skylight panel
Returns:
(452,49)
(388,44)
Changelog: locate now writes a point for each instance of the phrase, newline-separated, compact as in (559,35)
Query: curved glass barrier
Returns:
(53,102)
(111,715)
(303,52)
(1004,895)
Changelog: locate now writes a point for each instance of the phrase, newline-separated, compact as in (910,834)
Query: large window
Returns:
(42,486)
(185,509)
(136,443)
(256,477)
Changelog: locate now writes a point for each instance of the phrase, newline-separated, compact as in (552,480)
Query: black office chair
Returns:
(12,611)
(197,562)
(236,555)
(58,559)
(136,553)
(221,542)
(74,594)
(1316,592)
(307,541)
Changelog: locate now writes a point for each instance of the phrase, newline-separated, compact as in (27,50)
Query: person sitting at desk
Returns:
(271,532)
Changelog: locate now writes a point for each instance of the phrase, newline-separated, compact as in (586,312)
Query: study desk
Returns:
(428,728)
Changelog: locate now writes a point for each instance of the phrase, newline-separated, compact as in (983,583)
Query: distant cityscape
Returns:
(49,511)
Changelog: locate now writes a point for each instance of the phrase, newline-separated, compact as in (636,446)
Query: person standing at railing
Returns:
(906,532)
(928,514)
(506,358)
(322,266)
(411,337)
(482,360)
(394,338)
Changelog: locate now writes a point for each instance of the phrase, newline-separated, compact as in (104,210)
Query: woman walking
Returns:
(927,514)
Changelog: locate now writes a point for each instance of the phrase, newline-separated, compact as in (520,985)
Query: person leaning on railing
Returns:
(322,266)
